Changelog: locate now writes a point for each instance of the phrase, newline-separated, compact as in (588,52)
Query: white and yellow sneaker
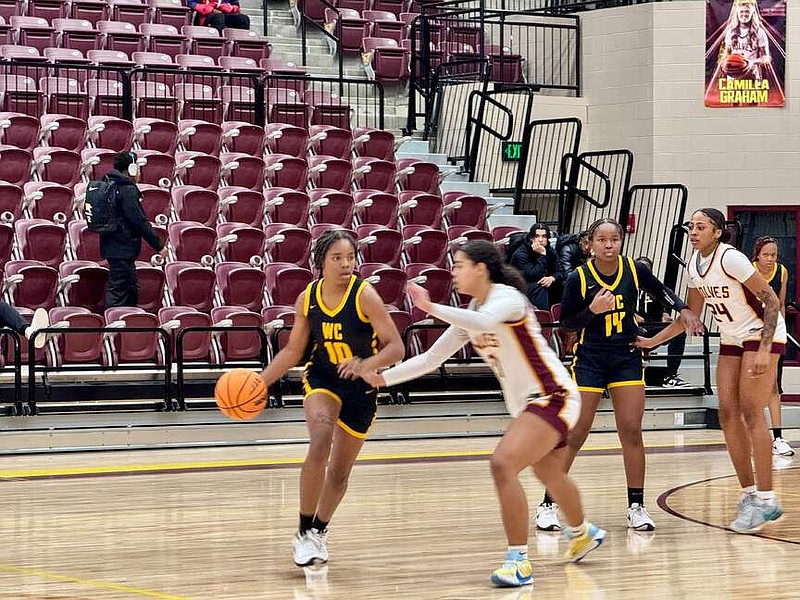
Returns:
(581,545)
(513,573)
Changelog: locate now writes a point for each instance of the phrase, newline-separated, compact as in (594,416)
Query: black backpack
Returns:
(101,206)
(515,240)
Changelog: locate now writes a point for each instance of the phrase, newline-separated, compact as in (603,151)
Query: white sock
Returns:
(750,489)
(517,552)
(765,496)
(577,531)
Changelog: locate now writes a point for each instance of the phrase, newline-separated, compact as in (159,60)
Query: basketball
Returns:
(241,394)
(735,65)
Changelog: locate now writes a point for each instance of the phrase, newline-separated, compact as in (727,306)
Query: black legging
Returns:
(220,21)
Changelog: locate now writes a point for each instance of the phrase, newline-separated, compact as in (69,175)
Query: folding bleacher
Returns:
(239,345)
(83,284)
(240,243)
(195,203)
(133,347)
(246,44)
(77,34)
(120,36)
(76,348)
(241,284)
(242,205)
(64,129)
(169,12)
(190,285)
(19,129)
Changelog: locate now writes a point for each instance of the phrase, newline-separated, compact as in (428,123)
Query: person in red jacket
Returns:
(219,14)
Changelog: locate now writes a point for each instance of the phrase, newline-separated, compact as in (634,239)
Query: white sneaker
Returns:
(754,513)
(547,517)
(782,448)
(639,519)
(309,548)
(40,320)
(673,381)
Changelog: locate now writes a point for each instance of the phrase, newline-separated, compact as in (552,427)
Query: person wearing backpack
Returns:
(120,245)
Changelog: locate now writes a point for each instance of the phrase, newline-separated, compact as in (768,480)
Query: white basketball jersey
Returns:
(520,357)
(738,313)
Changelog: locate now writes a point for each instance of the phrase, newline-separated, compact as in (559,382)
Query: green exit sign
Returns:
(511,151)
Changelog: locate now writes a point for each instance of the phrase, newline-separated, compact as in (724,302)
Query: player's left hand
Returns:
(420,297)
(350,368)
(760,363)
(692,323)
(643,343)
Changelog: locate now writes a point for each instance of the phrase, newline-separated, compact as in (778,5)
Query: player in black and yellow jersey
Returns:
(599,303)
(765,259)
(345,320)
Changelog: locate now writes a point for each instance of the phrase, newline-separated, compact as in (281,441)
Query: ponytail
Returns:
(481,251)
(718,221)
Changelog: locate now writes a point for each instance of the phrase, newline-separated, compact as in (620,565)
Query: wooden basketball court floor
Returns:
(419,521)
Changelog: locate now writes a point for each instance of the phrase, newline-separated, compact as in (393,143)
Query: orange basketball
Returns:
(735,65)
(241,394)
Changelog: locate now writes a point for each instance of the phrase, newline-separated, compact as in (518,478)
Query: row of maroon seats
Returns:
(157,99)
(40,259)
(170,12)
(116,346)
(121,36)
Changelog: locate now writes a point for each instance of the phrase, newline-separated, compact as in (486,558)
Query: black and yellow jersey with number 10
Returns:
(339,332)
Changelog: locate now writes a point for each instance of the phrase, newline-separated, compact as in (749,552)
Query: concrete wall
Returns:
(644,82)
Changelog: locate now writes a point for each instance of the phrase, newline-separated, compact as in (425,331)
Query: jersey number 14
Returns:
(614,323)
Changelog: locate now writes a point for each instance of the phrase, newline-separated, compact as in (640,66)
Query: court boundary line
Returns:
(283,463)
(662,502)
(90,583)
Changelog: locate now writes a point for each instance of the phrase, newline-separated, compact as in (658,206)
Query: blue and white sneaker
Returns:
(513,573)
(581,545)
(755,513)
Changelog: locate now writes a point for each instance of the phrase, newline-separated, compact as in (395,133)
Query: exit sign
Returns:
(511,151)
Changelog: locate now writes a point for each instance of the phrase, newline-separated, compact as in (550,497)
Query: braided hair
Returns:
(481,251)
(604,221)
(324,243)
(759,244)
(717,220)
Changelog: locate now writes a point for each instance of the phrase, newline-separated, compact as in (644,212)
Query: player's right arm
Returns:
(291,354)
(576,313)
(448,344)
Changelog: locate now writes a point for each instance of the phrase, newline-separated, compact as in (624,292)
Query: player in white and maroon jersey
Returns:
(538,391)
(753,336)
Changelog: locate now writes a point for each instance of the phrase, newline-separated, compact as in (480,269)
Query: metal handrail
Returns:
(167,366)
(262,359)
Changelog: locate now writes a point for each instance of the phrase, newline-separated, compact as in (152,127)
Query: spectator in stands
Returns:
(539,265)
(573,251)
(650,310)
(219,14)
(121,247)
(10,318)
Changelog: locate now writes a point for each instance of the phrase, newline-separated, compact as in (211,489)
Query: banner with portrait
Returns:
(745,53)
